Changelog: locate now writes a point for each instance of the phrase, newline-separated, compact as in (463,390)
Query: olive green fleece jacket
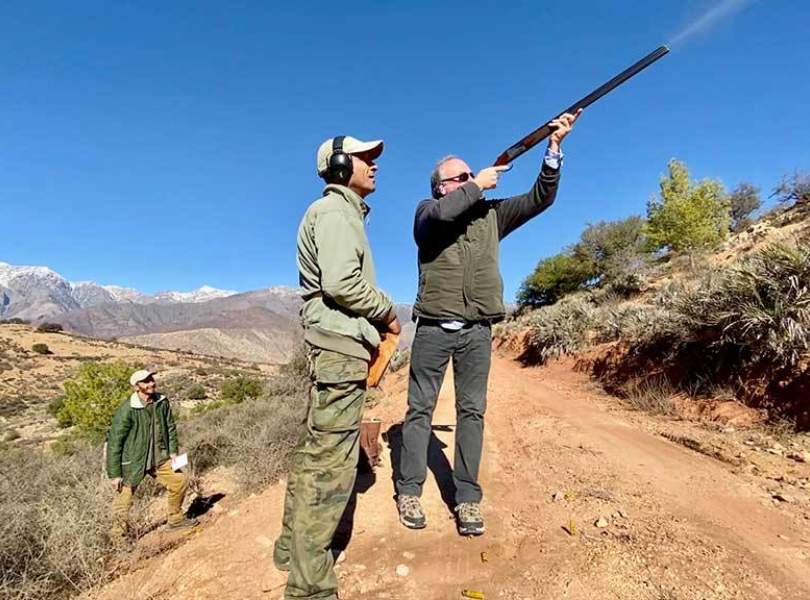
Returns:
(128,437)
(343,308)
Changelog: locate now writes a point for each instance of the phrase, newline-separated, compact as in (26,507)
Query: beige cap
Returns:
(350,146)
(140,376)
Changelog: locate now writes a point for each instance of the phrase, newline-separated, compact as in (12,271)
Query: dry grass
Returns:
(653,396)
(55,505)
(53,523)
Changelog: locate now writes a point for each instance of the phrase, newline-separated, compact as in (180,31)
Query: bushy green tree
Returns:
(554,277)
(744,200)
(239,389)
(93,395)
(687,215)
(617,249)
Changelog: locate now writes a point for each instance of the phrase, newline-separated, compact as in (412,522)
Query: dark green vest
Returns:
(458,269)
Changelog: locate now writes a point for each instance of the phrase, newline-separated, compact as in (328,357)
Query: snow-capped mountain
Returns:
(201,294)
(40,292)
(33,291)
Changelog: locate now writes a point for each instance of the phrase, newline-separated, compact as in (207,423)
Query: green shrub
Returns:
(49,327)
(41,348)
(239,389)
(55,407)
(196,391)
(688,215)
(93,395)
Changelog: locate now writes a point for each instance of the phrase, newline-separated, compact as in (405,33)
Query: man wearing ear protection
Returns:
(460,295)
(343,315)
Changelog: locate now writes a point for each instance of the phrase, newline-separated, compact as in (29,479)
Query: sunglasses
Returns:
(460,178)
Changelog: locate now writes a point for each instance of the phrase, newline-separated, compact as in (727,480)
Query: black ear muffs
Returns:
(340,165)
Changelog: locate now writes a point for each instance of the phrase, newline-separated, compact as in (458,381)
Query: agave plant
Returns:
(761,305)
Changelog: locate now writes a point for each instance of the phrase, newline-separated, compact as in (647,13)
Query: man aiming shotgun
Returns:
(460,295)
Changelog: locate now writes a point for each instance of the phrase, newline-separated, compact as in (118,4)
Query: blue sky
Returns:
(166,145)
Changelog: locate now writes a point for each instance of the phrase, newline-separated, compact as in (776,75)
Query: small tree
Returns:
(744,200)
(794,189)
(93,395)
(688,215)
(554,277)
(617,249)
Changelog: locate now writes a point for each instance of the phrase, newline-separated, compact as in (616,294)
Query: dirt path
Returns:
(680,525)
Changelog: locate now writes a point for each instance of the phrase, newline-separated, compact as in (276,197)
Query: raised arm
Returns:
(515,211)
(446,209)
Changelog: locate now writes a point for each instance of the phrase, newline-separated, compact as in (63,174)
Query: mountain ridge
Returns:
(38,292)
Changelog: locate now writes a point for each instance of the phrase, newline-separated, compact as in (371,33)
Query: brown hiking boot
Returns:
(410,512)
(186,523)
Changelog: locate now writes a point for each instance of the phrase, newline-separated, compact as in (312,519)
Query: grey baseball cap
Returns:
(350,146)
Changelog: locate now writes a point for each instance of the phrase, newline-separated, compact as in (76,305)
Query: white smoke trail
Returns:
(722,9)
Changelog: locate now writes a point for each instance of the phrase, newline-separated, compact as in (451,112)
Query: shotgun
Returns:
(542,132)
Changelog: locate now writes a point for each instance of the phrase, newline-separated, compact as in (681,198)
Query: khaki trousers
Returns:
(175,482)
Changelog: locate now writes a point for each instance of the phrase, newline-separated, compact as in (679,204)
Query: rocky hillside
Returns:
(258,326)
(696,334)
(30,380)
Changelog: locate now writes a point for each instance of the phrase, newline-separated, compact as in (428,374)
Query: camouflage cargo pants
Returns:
(322,474)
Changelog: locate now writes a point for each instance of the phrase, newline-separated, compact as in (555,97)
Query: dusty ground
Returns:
(691,512)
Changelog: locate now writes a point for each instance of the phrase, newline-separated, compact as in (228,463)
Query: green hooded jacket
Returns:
(128,437)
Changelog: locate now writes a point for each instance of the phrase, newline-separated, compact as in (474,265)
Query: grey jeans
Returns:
(471,351)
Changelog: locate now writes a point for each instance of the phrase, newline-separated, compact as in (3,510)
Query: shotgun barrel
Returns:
(542,132)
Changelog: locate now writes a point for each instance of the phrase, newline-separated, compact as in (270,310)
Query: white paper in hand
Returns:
(179,461)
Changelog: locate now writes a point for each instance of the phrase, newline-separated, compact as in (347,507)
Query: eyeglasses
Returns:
(460,178)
